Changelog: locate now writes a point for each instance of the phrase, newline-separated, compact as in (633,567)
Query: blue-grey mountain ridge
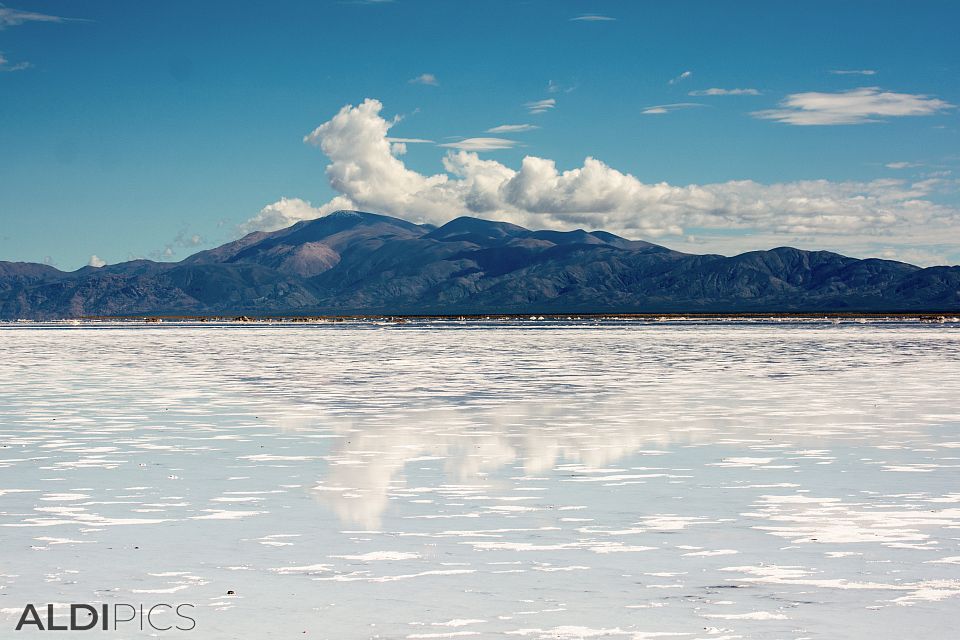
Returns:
(350,262)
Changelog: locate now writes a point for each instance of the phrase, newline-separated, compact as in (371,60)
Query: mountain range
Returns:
(351,262)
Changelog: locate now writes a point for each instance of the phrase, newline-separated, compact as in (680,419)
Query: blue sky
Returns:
(155,129)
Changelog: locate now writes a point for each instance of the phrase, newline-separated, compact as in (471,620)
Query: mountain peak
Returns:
(349,217)
(466,228)
(345,213)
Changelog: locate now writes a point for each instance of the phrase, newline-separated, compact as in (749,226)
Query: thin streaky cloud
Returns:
(714,91)
(592,17)
(856,106)
(853,72)
(556,87)
(901,165)
(17,66)
(425,78)
(667,108)
(14,17)
(512,128)
(480,144)
(410,140)
(20,66)
(680,78)
(541,106)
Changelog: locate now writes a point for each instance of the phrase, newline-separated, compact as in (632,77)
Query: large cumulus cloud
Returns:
(367,172)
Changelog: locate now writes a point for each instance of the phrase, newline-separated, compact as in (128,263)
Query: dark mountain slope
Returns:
(355,262)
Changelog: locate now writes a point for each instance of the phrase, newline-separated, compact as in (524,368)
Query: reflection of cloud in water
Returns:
(636,467)
(659,405)
(369,459)
(523,400)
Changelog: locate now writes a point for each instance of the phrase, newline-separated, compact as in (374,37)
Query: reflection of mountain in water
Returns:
(361,407)
(639,400)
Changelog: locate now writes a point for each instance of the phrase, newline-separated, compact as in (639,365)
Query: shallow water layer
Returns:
(529,480)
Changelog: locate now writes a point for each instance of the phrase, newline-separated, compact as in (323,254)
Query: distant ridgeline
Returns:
(362,263)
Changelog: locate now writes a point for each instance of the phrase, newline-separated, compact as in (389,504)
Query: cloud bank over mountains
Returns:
(890,216)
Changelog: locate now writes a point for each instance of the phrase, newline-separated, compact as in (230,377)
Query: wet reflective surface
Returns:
(538,480)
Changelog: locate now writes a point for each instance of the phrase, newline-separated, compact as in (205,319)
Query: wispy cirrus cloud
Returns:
(425,78)
(856,106)
(541,106)
(853,72)
(556,87)
(512,128)
(592,17)
(480,144)
(14,17)
(6,65)
(680,78)
(661,109)
(724,92)
(901,165)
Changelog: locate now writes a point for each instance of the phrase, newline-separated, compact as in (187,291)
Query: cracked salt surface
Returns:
(445,480)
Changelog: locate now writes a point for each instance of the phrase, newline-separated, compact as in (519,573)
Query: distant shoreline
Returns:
(925,318)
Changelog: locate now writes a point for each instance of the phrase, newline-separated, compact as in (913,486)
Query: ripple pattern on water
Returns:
(435,480)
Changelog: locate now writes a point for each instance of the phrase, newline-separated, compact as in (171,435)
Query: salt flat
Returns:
(512,479)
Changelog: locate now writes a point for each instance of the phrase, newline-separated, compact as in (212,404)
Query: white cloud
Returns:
(591,17)
(480,144)
(680,78)
(287,211)
(14,18)
(660,109)
(726,217)
(96,261)
(425,78)
(900,165)
(855,106)
(513,128)
(725,92)
(541,106)
(923,256)
(853,72)
(6,66)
